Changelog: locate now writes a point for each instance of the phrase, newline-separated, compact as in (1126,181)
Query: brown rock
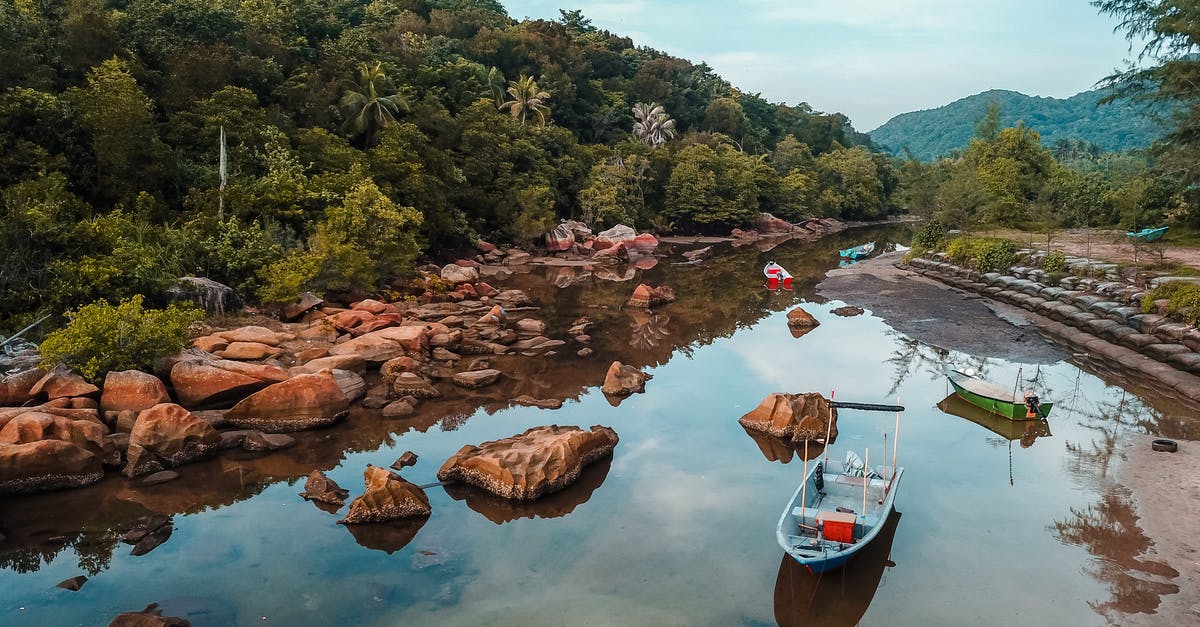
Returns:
(46,465)
(398,409)
(14,388)
(210,343)
(476,378)
(293,311)
(33,426)
(409,384)
(543,403)
(322,489)
(387,497)
(560,238)
(256,334)
(62,383)
(798,417)
(848,311)
(644,243)
(249,351)
(539,461)
(622,380)
(168,435)
(132,389)
(374,306)
(149,617)
(220,383)
(384,344)
(640,297)
(495,315)
(456,274)
(381,321)
(483,289)
(409,458)
(530,326)
(800,318)
(73,584)
(303,402)
(349,361)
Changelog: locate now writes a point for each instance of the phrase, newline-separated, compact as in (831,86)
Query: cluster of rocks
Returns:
(1099,314)
(620,242)
(771,231)
(241,388)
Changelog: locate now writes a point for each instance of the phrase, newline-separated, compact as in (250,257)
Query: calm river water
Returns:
(677,529)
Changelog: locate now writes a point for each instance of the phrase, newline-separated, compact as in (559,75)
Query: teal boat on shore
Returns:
(1012,403)
(1148,235)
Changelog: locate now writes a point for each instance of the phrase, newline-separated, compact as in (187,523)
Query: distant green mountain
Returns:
(1118,126)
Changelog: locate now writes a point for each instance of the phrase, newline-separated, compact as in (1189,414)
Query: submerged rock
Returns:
(622,380)
(322,489)
(149,617)
(798,318)
(387,497)
(539,461)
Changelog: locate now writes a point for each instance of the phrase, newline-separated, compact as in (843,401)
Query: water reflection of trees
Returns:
(1109,531)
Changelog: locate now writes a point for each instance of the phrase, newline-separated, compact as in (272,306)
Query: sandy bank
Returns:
(1166,493)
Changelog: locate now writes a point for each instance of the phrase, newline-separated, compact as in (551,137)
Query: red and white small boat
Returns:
(777,276)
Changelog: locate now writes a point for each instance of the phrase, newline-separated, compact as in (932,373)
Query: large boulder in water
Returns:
(800,319)
(33,426)
(305,401)
(387,497)
(539,461)
(622,380)
(168,435)
(560,238)
(46,465)
(384,344)
(797,417)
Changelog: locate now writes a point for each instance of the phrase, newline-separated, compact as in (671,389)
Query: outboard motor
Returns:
(1032,406)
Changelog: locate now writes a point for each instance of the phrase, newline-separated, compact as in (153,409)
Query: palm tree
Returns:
(653,126)
(528,98)
(371,111)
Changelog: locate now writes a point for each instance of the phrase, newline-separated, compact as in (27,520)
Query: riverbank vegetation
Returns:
(330,145)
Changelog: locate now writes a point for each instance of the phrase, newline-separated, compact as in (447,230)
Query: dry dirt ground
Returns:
(1165,487)
(1104,245)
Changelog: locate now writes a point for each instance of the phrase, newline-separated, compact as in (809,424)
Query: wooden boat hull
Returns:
(1024,430)
(989,402)
(818,551)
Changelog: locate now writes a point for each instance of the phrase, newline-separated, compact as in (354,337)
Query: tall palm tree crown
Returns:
(371,111)
(653,126)
(528,99)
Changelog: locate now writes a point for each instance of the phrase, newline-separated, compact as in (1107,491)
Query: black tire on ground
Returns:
(1168,446)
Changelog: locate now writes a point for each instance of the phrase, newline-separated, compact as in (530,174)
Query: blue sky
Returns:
(870,59)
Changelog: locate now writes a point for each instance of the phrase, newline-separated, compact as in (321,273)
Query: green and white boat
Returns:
(1013,403)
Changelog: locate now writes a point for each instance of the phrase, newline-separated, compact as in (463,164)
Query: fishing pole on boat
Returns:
(865,406)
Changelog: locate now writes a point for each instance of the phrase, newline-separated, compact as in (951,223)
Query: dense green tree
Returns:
(849,185)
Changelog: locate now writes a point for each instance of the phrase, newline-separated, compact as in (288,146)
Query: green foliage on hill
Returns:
(1063,124)
(360,135)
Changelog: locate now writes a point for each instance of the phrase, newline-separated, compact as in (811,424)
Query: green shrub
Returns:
(101,337)
(995,256)
(930,235)
(961,249)
(1182,298)
(1054,261)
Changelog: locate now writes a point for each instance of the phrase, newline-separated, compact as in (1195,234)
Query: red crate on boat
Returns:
(838,526)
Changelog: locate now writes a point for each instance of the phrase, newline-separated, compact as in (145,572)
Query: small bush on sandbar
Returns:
(101,337)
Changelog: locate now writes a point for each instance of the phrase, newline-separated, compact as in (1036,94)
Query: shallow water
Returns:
(678,528)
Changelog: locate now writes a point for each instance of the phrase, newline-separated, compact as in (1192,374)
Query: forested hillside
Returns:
(1114,127)
(361,135)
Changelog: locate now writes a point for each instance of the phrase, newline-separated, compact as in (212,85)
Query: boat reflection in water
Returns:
(1024,430)
(839,597)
